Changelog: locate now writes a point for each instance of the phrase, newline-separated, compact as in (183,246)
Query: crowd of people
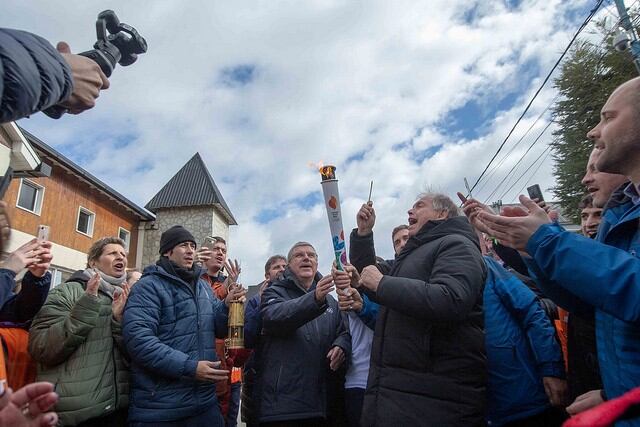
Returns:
(481,318)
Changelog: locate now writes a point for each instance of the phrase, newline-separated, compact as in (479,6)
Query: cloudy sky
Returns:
(410,94)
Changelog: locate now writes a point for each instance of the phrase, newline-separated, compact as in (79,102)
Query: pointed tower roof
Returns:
(192,185)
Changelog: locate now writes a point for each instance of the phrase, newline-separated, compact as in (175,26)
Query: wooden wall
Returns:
(63,195)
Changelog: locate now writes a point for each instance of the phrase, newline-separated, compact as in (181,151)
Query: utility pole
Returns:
(622,43)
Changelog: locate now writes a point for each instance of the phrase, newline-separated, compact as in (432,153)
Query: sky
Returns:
(414,95)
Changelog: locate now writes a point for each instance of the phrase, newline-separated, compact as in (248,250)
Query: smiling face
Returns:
(617,134)
(112,261)
(303,262)
(600,184)
(590,218)
(421,213)
(216,262)
(182,254)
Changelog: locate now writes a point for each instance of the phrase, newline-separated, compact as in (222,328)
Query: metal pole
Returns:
(625,21)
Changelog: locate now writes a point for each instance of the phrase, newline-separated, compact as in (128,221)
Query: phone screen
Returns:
(535,192)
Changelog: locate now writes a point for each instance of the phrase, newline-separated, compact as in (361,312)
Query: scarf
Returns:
(188,275)
(108,284)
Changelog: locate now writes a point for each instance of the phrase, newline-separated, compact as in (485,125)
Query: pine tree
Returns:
(586,80)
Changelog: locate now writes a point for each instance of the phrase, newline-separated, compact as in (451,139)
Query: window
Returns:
(86,219)
(30,196)
(124,235)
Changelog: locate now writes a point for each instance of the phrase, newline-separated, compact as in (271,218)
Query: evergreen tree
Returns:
(586,80)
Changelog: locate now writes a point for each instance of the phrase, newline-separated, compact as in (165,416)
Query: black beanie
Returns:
(173,237)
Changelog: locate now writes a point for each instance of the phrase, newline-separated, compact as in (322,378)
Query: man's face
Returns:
(275,269)
(422,212)
(304,262)
(618,133)
(182,254)
(400,239)
(600,184)
(590,220)
(216,262)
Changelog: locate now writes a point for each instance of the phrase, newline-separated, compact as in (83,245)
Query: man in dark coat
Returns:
(428,359)
(304,339)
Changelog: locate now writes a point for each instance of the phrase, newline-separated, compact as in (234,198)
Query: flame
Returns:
(327,172)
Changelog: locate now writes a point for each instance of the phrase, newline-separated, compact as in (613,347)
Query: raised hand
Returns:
(371,277)
(236,293)
(22,257)
(233,272)
(120,296)
(324,286)
(93,285)
(366,219)
(43,259)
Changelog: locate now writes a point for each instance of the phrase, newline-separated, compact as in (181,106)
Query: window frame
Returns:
(91,224)
(39,196)
(127,241)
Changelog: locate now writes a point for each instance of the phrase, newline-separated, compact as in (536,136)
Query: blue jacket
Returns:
(17,310)
(579,273)
(33,75)
(521,348)
(167,329)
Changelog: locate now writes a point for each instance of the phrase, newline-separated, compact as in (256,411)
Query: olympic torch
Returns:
(332,204)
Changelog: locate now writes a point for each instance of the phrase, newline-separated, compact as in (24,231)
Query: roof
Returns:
(192,185)
(48,153)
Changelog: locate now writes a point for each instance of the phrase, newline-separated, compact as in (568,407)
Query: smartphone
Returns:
(43,232)
(535,192)
(209,242)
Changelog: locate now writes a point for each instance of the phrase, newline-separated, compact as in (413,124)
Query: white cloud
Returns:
(333,79)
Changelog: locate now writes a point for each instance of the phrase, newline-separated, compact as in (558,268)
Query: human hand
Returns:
(585,401)
(516,225)
(5,225)
(370,277)
(557,390)
(93,285)
(236,293)
(88,81)
(471,209)
(351,300)
(366,219)
(120,296)
(43,261)
(324,286)
(203,254)
(22,257)
(349,277)
(336,358)
(208,371)
(233,272)
(29,406)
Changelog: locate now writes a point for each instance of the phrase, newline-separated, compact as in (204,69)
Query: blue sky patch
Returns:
(305,202)
(238,75)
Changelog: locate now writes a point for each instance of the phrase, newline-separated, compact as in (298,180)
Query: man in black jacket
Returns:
(428,360)
(304,338)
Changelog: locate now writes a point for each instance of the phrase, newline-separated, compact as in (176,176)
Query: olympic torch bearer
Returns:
(332,204)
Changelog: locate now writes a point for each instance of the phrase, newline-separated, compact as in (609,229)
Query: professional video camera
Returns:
(121,45)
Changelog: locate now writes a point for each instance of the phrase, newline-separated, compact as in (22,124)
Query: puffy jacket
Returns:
(581,274)
(33,75)
(167,329)
(521,348)
(17,310)
(75,341)
(428,364)
(297,335)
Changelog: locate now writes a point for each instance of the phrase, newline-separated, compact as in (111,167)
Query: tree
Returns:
(586,80)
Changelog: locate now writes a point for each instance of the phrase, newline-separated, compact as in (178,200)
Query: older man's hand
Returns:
(370,277)
(516,228)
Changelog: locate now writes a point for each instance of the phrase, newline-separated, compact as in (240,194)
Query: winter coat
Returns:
(297,335)
(76,342)
(581,274)
(428,364)
(521,348)
(17,310)
(33,75)
(167,329)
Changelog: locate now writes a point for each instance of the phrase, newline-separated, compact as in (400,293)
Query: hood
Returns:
(79,277)
(434,230)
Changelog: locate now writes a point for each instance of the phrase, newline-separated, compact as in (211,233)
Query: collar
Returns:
(633,192)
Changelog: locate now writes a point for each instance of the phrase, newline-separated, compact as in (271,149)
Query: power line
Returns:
(545,151)
(575,36)
(535,171)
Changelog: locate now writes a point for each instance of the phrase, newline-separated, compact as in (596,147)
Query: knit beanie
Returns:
(173,237)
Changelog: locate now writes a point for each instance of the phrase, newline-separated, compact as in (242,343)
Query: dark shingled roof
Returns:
(191,186)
